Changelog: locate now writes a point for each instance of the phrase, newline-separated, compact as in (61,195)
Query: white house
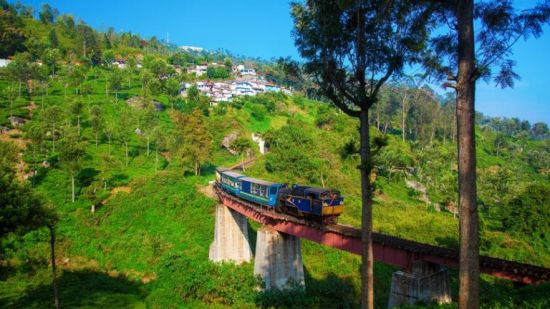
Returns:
(199,70)
(245,71)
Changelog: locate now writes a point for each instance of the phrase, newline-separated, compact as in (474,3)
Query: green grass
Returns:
(142,248)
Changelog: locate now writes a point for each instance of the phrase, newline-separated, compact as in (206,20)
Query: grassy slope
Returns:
(121,256)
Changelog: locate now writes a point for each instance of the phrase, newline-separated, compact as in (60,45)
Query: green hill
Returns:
(145,244)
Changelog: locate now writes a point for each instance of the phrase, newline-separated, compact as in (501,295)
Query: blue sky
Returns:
(262,28)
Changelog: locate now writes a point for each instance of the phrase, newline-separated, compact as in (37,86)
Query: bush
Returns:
(529,212)
(208,282)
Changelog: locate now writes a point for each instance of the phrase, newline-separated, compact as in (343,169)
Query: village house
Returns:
(245,71)
(199,70)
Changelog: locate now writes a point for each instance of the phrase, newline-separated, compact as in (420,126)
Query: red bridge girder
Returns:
(387,249)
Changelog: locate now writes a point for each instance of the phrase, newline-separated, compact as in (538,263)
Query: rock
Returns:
(142,103)
(228,140)
(17,121)
(257,138)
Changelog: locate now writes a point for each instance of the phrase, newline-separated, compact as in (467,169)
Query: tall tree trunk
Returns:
(72,186)
(53,137)
(469,221)
(156,158)
(54,267)
(367,280)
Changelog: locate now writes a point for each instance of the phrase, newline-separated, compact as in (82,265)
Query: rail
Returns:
(388,249)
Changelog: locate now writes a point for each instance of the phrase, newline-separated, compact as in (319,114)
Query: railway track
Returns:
(388,249)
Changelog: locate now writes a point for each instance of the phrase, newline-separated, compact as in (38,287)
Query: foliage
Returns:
(20,209)
(528,212)
(217,72)
(193,140)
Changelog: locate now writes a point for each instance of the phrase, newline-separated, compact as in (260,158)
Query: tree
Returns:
(13,37)
(146,78)
(96,121)
(22,69)
(108,58)
(53,115)
(21,211)
(109,128)
(242,146)
(148,122)
(76,76)
(454,57)
(35,133)
(76,110)
(51,57)
(352,49)
(11,93)
(528,212)
(131,65)
(52,37)
(217,72)
(70,155)
(124,130)
(172,87)
(540,130)
(48,14)
(192,139)
(115,82)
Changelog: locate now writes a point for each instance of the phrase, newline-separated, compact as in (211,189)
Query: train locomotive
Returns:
(315,204)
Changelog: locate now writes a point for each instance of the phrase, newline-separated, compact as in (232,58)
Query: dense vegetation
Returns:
(123,159)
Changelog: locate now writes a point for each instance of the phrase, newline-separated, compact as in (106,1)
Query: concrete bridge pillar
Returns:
(230,237)
(427,283)
(278,259)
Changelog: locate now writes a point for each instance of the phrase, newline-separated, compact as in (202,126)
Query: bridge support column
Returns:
(426,283)
(278,259)
(230,237)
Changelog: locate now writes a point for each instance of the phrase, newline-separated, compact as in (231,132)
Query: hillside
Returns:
(144,243)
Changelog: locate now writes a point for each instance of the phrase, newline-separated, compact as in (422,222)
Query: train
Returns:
(320,205)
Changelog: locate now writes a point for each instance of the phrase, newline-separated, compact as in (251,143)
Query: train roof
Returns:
(259,181)
(222,169)
(308,189)
(232,174)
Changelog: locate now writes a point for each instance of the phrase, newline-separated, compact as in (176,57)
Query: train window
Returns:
(273,190)
(263,191)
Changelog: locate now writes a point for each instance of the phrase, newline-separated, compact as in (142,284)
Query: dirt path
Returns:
(115,191)
(21,143)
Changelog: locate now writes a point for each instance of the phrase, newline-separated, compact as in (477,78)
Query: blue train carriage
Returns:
(219,171)
(230,181)
(259,191)
(322,203)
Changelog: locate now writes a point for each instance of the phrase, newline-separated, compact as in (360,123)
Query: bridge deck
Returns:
(387,249)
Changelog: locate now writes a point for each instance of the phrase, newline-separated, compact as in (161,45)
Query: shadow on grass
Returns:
(86,176)
(330,292)
(448,242)
(85,288)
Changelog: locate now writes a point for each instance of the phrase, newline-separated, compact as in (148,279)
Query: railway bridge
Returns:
(423,275)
